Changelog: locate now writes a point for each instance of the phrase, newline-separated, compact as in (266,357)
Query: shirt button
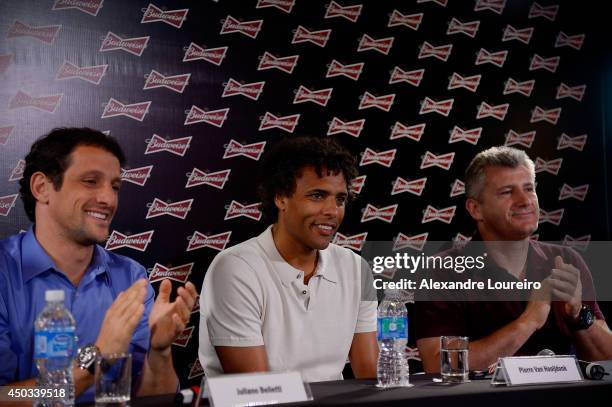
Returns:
(298,277)
(304,292)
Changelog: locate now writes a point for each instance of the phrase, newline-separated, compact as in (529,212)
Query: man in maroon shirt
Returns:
(501,198)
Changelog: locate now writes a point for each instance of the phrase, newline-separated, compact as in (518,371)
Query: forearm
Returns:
(594,343)
(158,375)
(364,355)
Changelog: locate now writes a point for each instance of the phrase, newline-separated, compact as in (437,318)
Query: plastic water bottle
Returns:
(392,335)
(54,349)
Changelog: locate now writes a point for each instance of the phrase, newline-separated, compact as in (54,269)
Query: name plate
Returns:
(523,370)
(257,389)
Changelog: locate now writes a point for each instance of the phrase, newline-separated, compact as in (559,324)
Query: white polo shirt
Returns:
(251,297)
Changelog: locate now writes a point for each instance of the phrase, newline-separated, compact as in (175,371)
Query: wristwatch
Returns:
(585,319)
(86,356)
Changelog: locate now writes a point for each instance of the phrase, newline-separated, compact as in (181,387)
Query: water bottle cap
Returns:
(54,295)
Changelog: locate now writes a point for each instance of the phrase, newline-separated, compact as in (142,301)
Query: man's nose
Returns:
(107,195)
(330,206)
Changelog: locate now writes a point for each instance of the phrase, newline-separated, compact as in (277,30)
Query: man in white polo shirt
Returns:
(288,299)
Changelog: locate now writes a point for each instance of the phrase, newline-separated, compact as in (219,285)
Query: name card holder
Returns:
(531,370)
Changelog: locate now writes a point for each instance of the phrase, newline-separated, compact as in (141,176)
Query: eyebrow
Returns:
(324,191)
(511,185)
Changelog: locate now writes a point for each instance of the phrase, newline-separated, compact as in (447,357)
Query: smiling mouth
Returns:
(325,228)
(98,215)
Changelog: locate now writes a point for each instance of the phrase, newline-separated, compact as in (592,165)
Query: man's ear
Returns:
(473,208)
(40,186)
(281,202)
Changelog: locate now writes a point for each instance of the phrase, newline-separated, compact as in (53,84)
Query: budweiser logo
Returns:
(47,103)
(212,55)
(469,82)
(350,13)
(551,167)
(178,273)
(380,102)
(352,71)
(91,74)
(514,138)
(416,242)
(214,117)
(320,97)
(183,339)
(285,64)
(5,60)
(574,92)
(414,187)
(438,2)
(385,214)
(577,143)
(578,243)
(177,146)
(469,136)
(443,161)
(541,115)
(91,7)
(357,184)
(442,52)
(442,107)
(236,209)
(496,58)
(524,88)
(497,112)
(548,64)
(250,90)
(17,172)
(134,46)
(175,18)
(6,203)
(496,6)
(414,132)
(353,128)
(248,28)
(136,111)
(284,5)
(412,21)
(444,215)
(578,193)
(138,242)
(384,158)
(553,217)
(177,209)
(176,83)
(44,34)
(457,27)
(382,45)
(252,151)
(354,242)
(196,368)
(412,77)
(5,133)
(573,41)
(458,188)
(138,176)
(214,179)
(522,35)
(549,12)
(319,38)
(286,123)
(216,242)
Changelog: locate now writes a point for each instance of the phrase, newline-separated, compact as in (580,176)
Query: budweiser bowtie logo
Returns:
(357,184)
(134,46)
(458,188)
(92,74)
(553,217)
(438,2)
(176,83)
(412,21)
(578,193)
(549,12)
(497,112)
(350,71)
(214,179)
(319,38)
(48,103)
(497,6)
(416,242)
(175,18)
(138,241)
(524,88)
(176,209)
(248,28)
(136,111)
(523,35)
(384,158)
(212,55)
(197,369)
(5,133)
(442,52)
(443,161)
(520,139)
(44,34)
(284,5)
(351,128)
(178,273)
(320,97)
(469,82)
(183,339)
(549,64)
(442,107)
(250,90)
(177,146)
(286,123)
(551,167)
(414,132)
(91,7)
(496,58)
(574,92)
(285,64)
(354,242)
(6,203)
(214,117)
(385,214)
(470,136)
(574,41)
(470,29)
(381,102)
(216,242)
(5,60)
(540,115)
(577,143)
(17,172)
(351,13)
(412,77)
(252,151)
(138,176)
(444,215)
(414,187)
(382,45)
(578,243)
(236,209)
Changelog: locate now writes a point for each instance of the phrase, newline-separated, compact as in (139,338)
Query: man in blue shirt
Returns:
(70,191)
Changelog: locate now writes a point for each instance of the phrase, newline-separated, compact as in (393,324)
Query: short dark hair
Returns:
(50,155)
(284,162)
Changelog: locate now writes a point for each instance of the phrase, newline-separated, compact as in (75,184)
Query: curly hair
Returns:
(50,155)
(283,164)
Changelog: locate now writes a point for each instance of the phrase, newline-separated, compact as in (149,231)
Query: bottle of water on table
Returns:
(54,349)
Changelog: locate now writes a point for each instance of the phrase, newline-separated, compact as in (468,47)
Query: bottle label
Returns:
(392,328)
(54,343)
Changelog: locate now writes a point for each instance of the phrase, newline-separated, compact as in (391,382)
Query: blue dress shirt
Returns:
(26,272)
